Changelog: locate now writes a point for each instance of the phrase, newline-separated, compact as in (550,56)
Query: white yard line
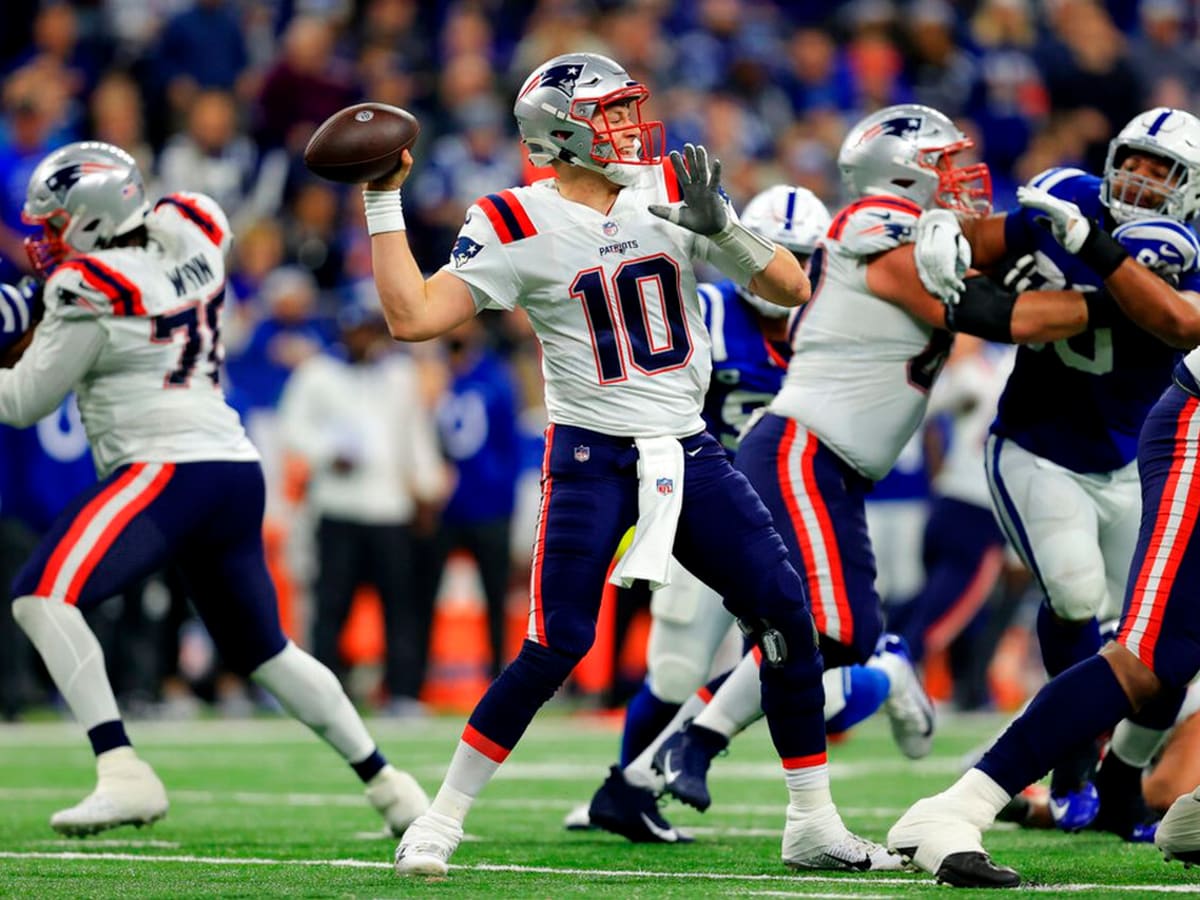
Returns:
(864,881)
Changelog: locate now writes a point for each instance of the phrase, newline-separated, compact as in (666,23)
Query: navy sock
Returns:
(108,736)
(369,767)
(865,689)
(1065,643)
(645,717)
(1160,712)
(509,705)
(1064,718)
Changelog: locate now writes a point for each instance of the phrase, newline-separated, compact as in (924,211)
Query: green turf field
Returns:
(263,809)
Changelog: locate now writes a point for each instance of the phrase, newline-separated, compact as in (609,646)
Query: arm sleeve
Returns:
(480,259)
(61,353)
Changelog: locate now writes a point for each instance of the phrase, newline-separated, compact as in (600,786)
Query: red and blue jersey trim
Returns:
(123,294)
(194,214)
(838,225)
(508,216)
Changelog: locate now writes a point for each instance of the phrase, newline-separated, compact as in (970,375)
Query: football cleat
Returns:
(1178,835)
(127,793)
(397,797)
(817,839)
(428,844)
(1075,810)
(1123,809)
(683,761)
(947,845)
(632,812)
(907,705)
(578,819)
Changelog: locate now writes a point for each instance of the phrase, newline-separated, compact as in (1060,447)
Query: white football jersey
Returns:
(861,367)
(151,390)
(611,296)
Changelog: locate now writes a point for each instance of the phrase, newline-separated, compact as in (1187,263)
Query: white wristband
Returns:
(384,211)
(751,251)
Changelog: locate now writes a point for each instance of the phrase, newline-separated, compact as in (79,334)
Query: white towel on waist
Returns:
(660,498)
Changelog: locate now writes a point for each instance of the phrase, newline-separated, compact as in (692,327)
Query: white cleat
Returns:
(397,797)
(907,705)
(578,819)
(127,793)
(947,845)
(1178,835)
(819,840)
(428,844)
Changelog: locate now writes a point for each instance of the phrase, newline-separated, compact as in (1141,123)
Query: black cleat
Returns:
(631,812)
(683,761)
(1123,810)
(972,869)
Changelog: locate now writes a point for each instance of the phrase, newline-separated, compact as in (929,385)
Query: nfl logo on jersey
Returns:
(665,485)
(583,454)
(610,228)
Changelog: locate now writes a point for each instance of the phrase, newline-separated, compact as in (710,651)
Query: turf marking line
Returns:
(868,880)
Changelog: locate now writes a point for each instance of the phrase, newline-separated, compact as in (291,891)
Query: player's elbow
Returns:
(1180,329)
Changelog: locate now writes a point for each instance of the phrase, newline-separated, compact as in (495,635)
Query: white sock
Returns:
(834,682)
(311,693)
(72,656)
(738,701)
(1135,744)
(468,774)
(808,788)
(639,772)
(978,796)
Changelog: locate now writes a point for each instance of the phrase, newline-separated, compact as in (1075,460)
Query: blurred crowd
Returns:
(220,96)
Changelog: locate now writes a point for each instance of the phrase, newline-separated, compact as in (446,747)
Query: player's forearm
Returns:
(1171,316)
(1048,316)
(986,237)
(783,281)
(401,287)
(58,357)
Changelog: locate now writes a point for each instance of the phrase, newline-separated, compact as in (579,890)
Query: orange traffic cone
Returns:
(459,655)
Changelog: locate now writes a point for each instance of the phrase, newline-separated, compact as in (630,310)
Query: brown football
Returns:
(361,143)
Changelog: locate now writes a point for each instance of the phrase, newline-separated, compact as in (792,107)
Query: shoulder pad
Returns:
(873,225)
(199,211)
(507,215)
(88,286)
(1071,184)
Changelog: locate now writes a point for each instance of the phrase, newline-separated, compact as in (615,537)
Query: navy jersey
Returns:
(747,368)
(1079,402)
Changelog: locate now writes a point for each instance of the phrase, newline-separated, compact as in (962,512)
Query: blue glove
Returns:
(1164,246)
(20,308)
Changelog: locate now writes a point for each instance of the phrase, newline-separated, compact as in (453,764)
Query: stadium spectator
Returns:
(201,47)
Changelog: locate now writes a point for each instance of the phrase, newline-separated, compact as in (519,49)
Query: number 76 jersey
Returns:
(611,297)
(152,393)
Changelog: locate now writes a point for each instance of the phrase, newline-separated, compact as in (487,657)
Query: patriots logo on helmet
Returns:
(901,126)
(464,251)
(561,77)
(67,177)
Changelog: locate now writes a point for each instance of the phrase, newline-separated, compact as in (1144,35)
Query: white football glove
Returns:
(942,254)
(1069,226)
(1164,246)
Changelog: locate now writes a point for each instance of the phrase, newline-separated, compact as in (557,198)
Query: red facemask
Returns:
(961,189)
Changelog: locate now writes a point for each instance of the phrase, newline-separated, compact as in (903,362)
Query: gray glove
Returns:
(703,209)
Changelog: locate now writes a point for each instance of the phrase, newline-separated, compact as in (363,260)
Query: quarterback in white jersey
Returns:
(600,257)
(132,324)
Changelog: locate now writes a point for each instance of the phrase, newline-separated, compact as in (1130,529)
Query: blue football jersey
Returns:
(747,369)
(1079,402)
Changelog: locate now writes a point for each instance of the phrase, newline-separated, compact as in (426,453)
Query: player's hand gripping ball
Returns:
(361,143)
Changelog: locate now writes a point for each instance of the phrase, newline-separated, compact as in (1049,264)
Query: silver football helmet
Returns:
(791,216)
(908,151)
(586,110)
(1170,135)
(83,195)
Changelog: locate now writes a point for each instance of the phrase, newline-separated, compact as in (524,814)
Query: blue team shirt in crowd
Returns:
(1080,402)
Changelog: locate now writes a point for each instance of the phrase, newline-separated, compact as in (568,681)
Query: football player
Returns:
(132,324)
(601,258)
(866,351)
(1148,266)
(1061,457)
(20,309)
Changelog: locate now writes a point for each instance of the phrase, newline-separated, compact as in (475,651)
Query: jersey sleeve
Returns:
(86,287)
(1023,234)
(480,257)
(201,212)
(873,225)
(60,354)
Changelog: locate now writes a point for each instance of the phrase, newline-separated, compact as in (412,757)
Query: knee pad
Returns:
(673,678)
(780,604)
(1073,575)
